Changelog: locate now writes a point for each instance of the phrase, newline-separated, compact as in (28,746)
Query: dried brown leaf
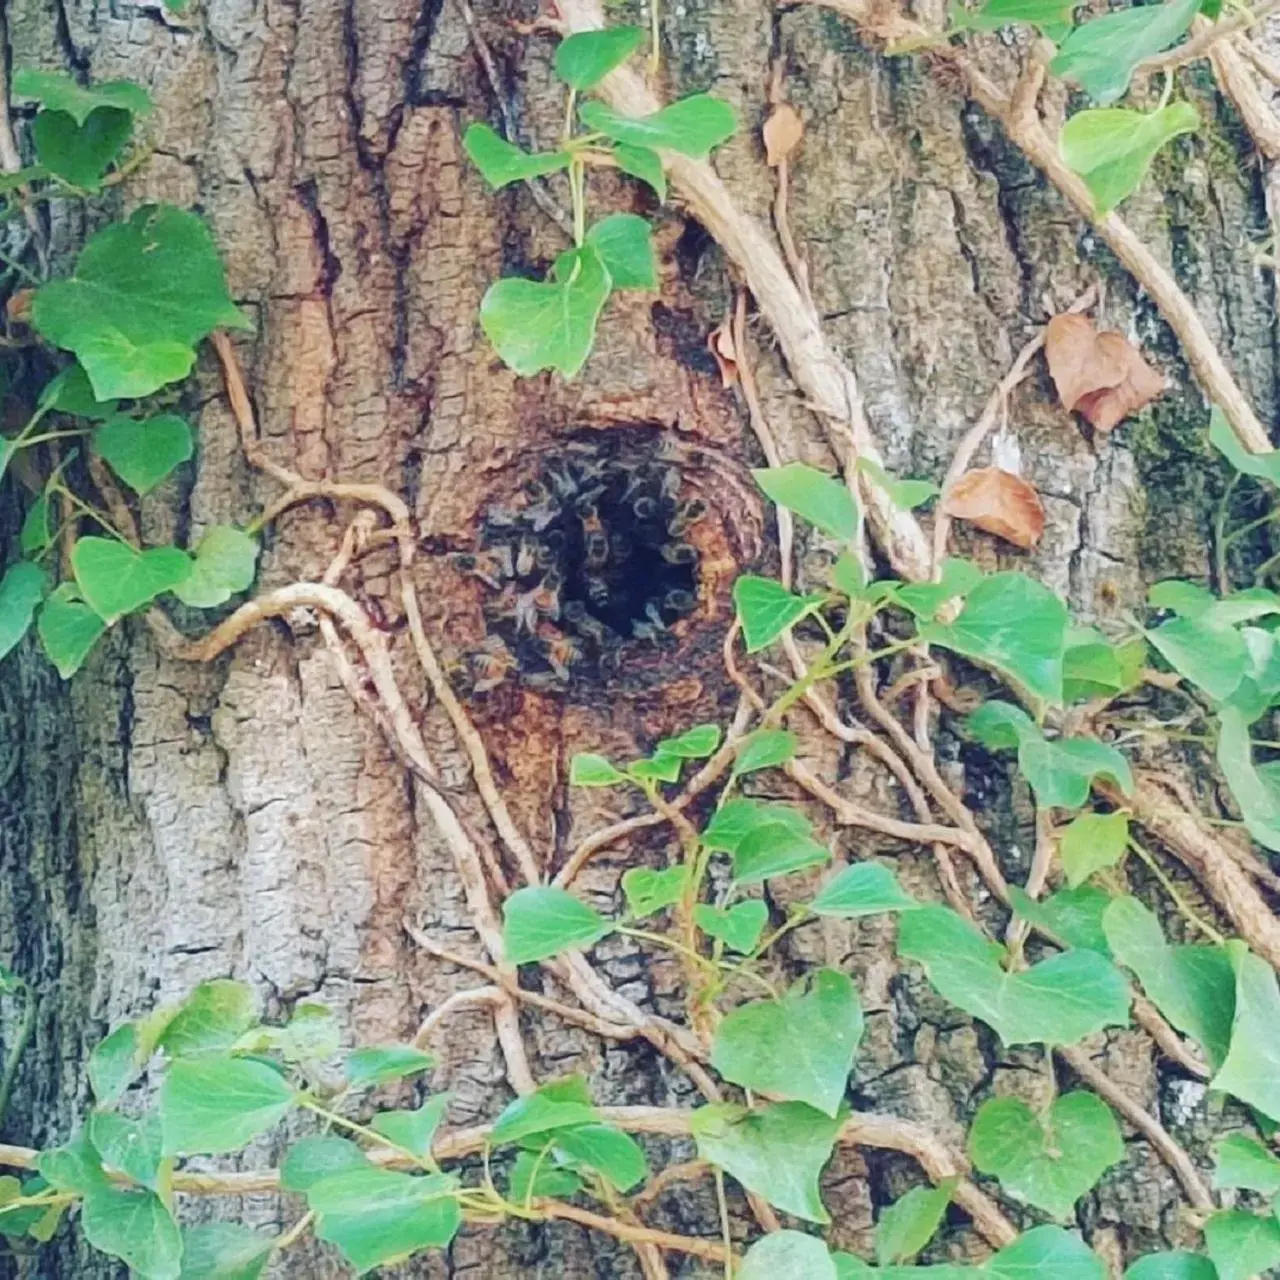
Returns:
(18,306)
(782,133)
(720,344)
(998,502)
(1107,408)
(1100,375)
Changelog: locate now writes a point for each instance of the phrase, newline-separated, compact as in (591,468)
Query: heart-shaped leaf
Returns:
(693,126)
(1251,1071)
(773,850)
(142,453)
(584,59)
(21,590)
(115,579)
(215,1103)
(767,609)
(788,1255)
(738,927)
(502,163)
(1242,1244)
(224,1251)
(814,496)
(649,891)
(68,629)
(541,921)
(863,889)
(80,153)
(910,1222)
(58,92)
(226,560)
(1093,842)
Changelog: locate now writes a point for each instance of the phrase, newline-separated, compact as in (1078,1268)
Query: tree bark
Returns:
(164,822)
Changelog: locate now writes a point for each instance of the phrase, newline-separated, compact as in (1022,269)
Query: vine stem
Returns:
(13,1059)
(1171,889)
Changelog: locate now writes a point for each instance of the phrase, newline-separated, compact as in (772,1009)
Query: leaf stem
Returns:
(295,1232)
(726,1232)
(353,1126)
(1172,890)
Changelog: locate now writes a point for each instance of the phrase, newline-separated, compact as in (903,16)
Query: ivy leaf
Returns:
(533,1175)
(69,391)
(1101,55)
(136,1227)
(956,578)
(144,453)
(224,1251)
(625,245)
(1073,915)
(734,821)
(738,927)
(37,533)
(310,1160)
(1254,790)
(788,1255)
(561,1104)
(1251,1071)
(662,766)
(143,293)
(777,1151)
(1206,652)
(501,163)
(692,126)
(216,1103)
(1112,148)
(910,1222)
(68,629)
(587,770)
(380,1064)
(774,850)
(211,1019)
(583,60)
(906,494)
(1093,842)
(226,561)
(1058,1001)
(1046,1251)
(615,1155)
(1012,623)
(21,590)
(542,921)
(864,889)
(1048,15)
(643,163)
(1243,1162)
(764,749)
(694,744)
(133,1147)
(115,1063)
(800,1047)
(767,609)
(58,92)
(80,153)
(549,324)
(414,1130)
(1178,1265)
(74,1166)
(1242,1244)
(1051,1166)
(1194,987)
(1265,466)
(822,500)
(1092,666)
(649,891)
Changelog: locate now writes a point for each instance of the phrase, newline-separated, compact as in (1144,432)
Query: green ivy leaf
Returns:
(694,744)
(226,561)
(911,1221)
(662,766)
(115,579)
(1094,667)
(1264,466)
(561,1104)
(500,163)
(74,1166)
(1049,1166)
(738,927)
(649,891)
(136,1227)
(376,1217)
(1112,148)
(1172,1266)
(81,153)
(1093,842)
(542,921)
(1014,624)
(1194,987)
(70,391)
(224,1251)
(906,494)
(1243,1162)
(37,533)
(534,1174)
(211,1019)
(643,163)
(216,1103)
(1101,55)
(1251,1071)
(548,324)
(381,1064)
(143,293)
(133,1147)
(777,1151)
(21,590)
(955,578)
(692,126)
(143,453)
(58,92)
(311,1035)
(737,819)
(1206,652)
(1255,791)
(788,1255)
(115,1063)
(764,749)
(1242,1244)
(313,1159)
(68,629)
(800,1047)
(1044,1252)
(1187,599)
(863,889)
(1072,915)
(775,849)
(767,609)
(1058,1001)
(587,770)
(414,1130)
(814,496)
(1048,15)
(615,1155)
(584,59)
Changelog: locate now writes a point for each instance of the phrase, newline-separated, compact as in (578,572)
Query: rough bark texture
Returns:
(162,823)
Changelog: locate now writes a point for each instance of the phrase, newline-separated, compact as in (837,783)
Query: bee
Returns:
(644,630)
(645,507)
(575,612)
(491,664)
(526,559)
(542,514)
(526,611)
(546,599)
(679,553)
(562,653)
(654,615)
(544,681)
(597,591)
(670,483)
(678,601)
(500,517)
(562,485)
(596,549)
(595,630)
(687,513)
(620,546)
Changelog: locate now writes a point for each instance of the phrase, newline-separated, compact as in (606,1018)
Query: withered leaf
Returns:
(998,502)
(782,133)
(720,344)
(1100,375)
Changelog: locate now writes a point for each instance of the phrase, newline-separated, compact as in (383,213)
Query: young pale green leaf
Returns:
(584,59)
(864,889)
(643,163)
(615,1155)
(624,242)
(1000,726)
(81,153)
(587,770)
(21,590)
(777,1151)
(313,1159)
(734,821)
(1112,148)
(1251,1071)
(692,126)
(1043,1252)
(548,324)
(312,1034)
(1178,1265)
(1014,624)
(1204,651)
(1048,1165)
(814,496)
(115,579)
(1072,915)
(956,578)
(413,1130)
(143,453)
(1242,1244)
(376,1217)
(143,293)
(693,744)
(381,1064)
(910,1222)
(1194,987)
(800,1047)
(907,494)
(662,766)
(136,1227)
(648,891)
(1255,790)
(226,560)
(58,92)
(788,1255)
(132,1147)
(1101,55)
(1243,1162)
(1050,16)
(775,849)
(541,921)
(1264,466)
(535,1174)
(224,1251)
(764,749)
(738,927)
(1093,842)
(561,1104)
(68,629)
(767,609)
(37,531)
(1058,1001)
(212,1018)
(848,575)
(216,1103)
(501,163)
(1094,667)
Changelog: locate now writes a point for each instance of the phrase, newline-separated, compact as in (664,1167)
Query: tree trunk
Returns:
(166,822)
